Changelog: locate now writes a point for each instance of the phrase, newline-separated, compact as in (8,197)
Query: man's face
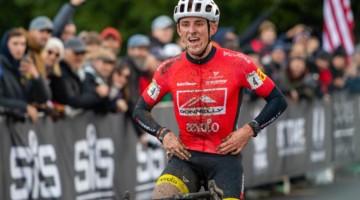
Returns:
(112,44)
(139,54)
(164,35)
(69,32)
(41,36)
(193,32)
(74,59)
(104,66)
(17,46)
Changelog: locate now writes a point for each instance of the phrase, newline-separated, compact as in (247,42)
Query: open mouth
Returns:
(194,40)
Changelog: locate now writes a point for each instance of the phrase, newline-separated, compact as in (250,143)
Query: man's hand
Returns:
(77,2)
(102,90)
(27,66)
(174,145)
(236,141)
(32,112)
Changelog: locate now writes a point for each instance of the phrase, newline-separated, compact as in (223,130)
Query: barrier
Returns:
(93,157)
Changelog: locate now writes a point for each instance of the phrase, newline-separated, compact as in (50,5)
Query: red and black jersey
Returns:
(207,94)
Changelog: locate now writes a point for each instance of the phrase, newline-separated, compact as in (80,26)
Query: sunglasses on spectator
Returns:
(50,52)
(79,53)
(46,30)
(107,60)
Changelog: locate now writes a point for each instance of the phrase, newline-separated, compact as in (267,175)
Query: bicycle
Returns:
(213,193)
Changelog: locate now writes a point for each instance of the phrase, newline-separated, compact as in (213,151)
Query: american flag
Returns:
(338,26)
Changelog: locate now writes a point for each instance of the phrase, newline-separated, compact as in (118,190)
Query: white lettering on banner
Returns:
(94,165)
(151,162)
(260,161)
(206,127)
(291,137)
(37,170)
(202,102)
(318,135)
(344,113)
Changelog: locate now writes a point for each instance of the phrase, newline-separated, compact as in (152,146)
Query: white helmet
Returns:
(197,8)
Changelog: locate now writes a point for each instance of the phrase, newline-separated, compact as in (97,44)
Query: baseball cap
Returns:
(161,22)
(111,31)
(75,44)
(138,40)
(41,23)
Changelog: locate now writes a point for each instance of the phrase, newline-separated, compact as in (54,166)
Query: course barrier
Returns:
(99,157)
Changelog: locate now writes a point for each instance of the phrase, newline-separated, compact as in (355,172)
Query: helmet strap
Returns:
(209,40)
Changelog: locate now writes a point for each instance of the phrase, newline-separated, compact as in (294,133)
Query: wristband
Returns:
(162,135)
(255,127)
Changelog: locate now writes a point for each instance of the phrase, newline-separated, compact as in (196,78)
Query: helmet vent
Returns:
(198,7)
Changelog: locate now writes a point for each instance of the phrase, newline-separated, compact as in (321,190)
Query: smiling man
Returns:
(206,84)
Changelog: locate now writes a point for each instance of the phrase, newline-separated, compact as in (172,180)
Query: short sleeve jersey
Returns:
(207,95)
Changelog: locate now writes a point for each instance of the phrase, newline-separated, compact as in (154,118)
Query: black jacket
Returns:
(70,90)
(16,92)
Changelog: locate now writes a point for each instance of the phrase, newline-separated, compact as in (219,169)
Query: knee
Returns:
(164,190)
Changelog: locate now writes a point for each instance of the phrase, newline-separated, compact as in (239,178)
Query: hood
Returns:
(4,50)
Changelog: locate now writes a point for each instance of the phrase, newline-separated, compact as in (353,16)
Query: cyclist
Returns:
(206,84)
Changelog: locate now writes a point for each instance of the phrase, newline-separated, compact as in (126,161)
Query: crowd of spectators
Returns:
(54,68)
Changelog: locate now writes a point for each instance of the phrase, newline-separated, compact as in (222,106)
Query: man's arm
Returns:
(237,140)
(142,116)
(275,106)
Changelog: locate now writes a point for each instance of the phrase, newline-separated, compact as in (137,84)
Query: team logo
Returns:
(202,102)
(154,90)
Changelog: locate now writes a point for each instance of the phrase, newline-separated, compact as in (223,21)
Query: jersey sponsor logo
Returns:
(206,127)
(154,90)
(186,84)
(215,82)
(202,102)
(254,80)
(216,75)
(240,55)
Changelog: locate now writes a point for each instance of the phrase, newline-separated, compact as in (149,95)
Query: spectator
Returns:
(52,53)
(338,65)
(322,63)
(137,53)
(98,74)
(111,39)
(119,87)
(266,38)
(69,90)
(162,32)
(278,62)
(295,82)
(92,41)
(227,38)
(64,27)
(297,50)
(20,82)
(40,31)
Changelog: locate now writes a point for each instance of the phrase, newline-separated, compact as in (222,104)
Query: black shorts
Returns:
(189,175)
